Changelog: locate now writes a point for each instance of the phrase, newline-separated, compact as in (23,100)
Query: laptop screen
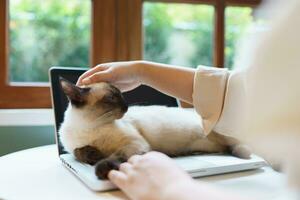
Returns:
(142,95)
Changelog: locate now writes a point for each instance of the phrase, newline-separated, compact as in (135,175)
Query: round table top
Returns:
(38,173)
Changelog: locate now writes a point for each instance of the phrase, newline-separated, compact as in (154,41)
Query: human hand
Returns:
(124,75)
(151,176)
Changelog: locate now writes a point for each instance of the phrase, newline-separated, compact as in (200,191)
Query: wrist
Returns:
(141,71)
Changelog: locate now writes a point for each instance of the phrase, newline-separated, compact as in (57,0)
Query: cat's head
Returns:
(95,100)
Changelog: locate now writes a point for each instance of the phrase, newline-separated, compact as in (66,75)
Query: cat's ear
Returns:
(76,95)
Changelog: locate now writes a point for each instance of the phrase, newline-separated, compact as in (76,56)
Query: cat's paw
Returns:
(88,154)
(103,167)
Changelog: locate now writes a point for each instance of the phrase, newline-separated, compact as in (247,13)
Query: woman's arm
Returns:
(173,80)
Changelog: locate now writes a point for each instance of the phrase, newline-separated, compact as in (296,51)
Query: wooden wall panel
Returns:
(209,2)
(219,34)
(3,43)
(251,3)
(123,30)
(129,31)
(135,22)
(103,31)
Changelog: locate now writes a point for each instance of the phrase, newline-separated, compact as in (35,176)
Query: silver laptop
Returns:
(195,165)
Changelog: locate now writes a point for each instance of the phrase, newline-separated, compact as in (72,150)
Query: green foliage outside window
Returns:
(195,22)
(47,33)
(53,32)
(187,23)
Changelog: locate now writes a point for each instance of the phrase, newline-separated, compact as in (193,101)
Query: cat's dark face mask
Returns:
(96,99)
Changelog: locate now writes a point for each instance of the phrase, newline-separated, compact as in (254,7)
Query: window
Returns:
(47,33)
(32,39)
(182,34)
(179,34)
(100,31)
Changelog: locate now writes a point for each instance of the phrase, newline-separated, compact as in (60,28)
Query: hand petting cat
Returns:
(172,80)
(124,75)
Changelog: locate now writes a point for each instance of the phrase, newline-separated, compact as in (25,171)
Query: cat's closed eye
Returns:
(109,98)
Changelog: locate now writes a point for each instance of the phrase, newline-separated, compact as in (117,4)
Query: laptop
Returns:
(195,165)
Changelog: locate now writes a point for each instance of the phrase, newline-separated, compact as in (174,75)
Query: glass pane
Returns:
(47,33)
(237,21)
(179,34)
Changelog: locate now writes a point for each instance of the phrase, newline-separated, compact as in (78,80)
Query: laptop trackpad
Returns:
(193,163)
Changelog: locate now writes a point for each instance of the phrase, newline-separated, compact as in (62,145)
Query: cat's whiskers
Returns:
(104,118)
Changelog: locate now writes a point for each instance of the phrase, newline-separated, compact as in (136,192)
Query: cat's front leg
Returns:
(88,154)
(122,155)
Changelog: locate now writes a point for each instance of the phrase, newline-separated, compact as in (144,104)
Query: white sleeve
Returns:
(208,95)
(232,119)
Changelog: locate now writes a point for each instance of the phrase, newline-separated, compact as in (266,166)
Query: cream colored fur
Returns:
(170,130)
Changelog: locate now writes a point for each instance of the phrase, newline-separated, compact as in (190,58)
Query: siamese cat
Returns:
(100,129)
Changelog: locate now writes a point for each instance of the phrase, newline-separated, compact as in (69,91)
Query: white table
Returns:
(38,174)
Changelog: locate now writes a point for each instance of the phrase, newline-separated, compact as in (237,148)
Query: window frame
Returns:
(116,35)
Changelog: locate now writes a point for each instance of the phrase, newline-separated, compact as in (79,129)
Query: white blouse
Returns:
(259,103)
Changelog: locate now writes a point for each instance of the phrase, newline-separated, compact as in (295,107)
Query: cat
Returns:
(100,129)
